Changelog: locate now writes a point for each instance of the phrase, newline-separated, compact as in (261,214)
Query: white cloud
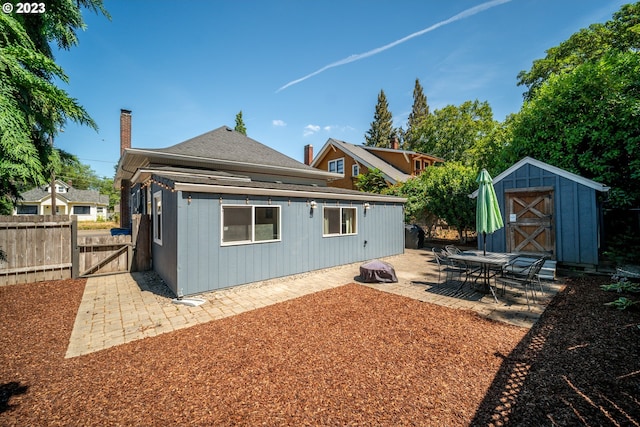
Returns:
(278,123)
(310,130)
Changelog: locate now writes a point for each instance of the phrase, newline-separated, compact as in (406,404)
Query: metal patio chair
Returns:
(519,276)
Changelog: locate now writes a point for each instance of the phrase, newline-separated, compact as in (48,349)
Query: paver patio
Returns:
(117,309)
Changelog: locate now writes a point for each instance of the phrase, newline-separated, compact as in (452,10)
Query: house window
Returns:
(27,210)
(355,170)
(418,165)
(81,210)
(157,217)
(336,166)
(339,221)
(250,224)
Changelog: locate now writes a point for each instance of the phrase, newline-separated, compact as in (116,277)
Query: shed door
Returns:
(530,226)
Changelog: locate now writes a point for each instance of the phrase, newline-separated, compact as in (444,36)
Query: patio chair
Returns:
(525,278)
(469,268)
(447,265)
(520,265)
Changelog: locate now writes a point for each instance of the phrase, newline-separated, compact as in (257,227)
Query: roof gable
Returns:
(549,168)
(364,157)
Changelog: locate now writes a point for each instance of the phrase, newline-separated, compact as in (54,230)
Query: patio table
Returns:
(486,261)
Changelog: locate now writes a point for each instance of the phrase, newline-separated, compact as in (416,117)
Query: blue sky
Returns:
(300,71)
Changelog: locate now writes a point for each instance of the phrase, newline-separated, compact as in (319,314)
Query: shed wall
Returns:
(575,217)
(203,264)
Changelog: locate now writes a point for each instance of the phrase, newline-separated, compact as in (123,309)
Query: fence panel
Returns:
(36,248)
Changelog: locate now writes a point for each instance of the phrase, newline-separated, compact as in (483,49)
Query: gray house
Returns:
(547,210)
(227,210)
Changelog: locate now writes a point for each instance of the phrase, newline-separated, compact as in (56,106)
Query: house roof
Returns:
(363,156)
(72,195)
(550,168)
(220,185)
(223,149)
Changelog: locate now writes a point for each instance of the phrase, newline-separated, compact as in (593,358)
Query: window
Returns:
(339,221)
(250,224)
(336,166)
(355,170)
(81,210)
(27,210)
(157,217)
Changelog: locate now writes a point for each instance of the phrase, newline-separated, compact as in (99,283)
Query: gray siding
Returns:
(203,264)
(575,217)
(164,256)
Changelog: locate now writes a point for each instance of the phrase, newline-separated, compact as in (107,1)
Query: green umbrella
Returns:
(488,216)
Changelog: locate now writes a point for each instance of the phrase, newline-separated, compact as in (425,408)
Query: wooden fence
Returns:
(36,248)
(47,247)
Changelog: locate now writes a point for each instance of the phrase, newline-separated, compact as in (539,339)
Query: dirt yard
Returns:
(346,356)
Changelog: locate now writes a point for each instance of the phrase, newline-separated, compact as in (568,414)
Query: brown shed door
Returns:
(530,226)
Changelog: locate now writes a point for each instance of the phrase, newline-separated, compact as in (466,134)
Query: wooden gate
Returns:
(104,254)
(96,255)
(530,225)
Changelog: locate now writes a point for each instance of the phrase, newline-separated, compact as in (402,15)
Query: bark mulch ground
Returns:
(346,356)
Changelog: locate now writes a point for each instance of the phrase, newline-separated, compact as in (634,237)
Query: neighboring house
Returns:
(547,210)
(350,160)
(88,205)
(227,210)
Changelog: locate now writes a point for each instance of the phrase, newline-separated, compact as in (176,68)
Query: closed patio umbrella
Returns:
(488,216)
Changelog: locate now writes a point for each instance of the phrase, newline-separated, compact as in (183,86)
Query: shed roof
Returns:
(550,168)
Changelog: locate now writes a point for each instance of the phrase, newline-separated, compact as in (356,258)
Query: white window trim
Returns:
(355,170)
(336,162)
(340,233)
(253,240)
(157,196)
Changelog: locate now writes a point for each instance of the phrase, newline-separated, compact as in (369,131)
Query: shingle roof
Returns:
(72,195)
(370,160)
(225,143)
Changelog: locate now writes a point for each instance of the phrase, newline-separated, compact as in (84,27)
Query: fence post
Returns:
(75,250)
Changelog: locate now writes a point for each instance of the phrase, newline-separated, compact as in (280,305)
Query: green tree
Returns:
(587,121)
(419,113)
(459,133)
(447,195)
(441,192)
(371,182)
(106,187)
(381,132)
(33,107)
(621,34)
(240,127)
(81,175)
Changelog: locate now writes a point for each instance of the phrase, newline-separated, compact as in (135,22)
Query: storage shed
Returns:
(547,210)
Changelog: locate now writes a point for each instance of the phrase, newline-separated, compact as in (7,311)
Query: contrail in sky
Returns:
(464,14)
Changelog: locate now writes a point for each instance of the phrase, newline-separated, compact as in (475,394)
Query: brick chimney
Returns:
(395,145)
(125,130)
(125,186)
(308,154)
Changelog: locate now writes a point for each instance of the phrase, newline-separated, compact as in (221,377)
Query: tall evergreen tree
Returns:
(240,127)
(381,132)
(33,107)
(418,114)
